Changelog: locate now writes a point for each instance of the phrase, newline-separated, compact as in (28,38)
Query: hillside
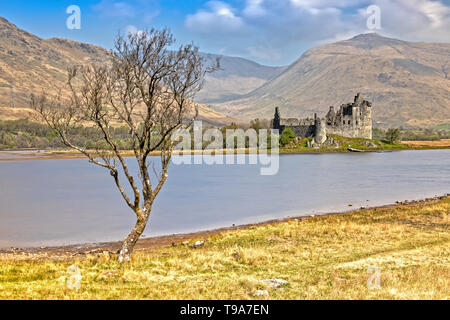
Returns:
(32,64)
(236,77)
(407,82)
(35,65)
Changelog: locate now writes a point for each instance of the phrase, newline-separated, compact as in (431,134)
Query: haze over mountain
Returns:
(236,77)
(34,65)
(408,82)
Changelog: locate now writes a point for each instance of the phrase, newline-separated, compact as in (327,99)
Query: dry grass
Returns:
(321,258)
(435,143)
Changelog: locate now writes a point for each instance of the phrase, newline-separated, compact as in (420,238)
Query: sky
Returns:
(271,32)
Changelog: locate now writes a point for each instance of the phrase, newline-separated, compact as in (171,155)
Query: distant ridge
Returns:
(408,82)
(236,77)
(34,65)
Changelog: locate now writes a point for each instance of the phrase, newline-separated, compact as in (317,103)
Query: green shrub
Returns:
(286,137)
(393,135)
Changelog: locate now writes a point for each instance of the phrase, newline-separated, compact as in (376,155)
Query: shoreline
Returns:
(39,155)
(68,252)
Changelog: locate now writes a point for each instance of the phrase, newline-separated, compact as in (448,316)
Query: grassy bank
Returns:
(296,146)
(320,257)
(364,144)
(25,155)
(342,144)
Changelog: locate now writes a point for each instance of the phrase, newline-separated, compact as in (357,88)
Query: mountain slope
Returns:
(408,83)
(31,64)
(34,65)
(236,77)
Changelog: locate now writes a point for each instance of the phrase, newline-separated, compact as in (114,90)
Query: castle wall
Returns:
(293,122)
(320,134)
(299,131)
(304,130)
(353,120)
(366,128)
(351,128)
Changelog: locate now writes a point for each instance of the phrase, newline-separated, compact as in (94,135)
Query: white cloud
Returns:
(323,4)
(267,29)
(416,20)
(131,29)
(254,8)
(218,18)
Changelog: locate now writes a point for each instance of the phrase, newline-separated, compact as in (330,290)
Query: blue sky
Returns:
(273,32)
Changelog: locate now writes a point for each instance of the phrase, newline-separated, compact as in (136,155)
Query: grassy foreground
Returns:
(320,257)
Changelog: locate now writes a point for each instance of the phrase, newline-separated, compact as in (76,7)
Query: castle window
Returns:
(348,121)
(343,122)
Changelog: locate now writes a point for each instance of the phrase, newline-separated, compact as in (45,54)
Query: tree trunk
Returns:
(129,243)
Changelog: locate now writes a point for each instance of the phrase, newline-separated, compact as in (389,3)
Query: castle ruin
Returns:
(352,120)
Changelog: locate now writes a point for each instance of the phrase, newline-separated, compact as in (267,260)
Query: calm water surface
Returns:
(56,202)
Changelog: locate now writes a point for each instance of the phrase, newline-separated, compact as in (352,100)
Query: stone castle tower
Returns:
(352,120)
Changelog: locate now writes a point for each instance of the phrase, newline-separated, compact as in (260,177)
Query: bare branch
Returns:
(146,88)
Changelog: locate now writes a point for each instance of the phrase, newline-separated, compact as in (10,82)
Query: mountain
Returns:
(34,65)
(407,82)
(30,63)
(236,77)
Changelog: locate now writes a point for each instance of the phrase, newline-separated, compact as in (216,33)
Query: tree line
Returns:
(26,134)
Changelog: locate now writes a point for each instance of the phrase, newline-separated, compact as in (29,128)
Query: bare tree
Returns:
(146,87)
